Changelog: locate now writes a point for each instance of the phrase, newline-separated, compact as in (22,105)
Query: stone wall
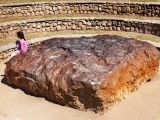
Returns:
(7,53)
(82,23)
(45,8)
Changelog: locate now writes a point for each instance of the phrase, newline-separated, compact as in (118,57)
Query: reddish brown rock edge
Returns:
(87,73)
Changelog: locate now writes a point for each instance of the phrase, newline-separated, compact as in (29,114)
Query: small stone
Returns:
(123,28)
(59,23)
(39,26)
(69,23)
(109,23)
(132,29)
(128,29)
(114,23)
(59,28)
(158,33)
(41,13)
(149,27)
(123,9)
(146,31)
(157,12)
(84,22)
(65,23)
(97,28)
(1,35)
(11,28)
(69,12)
(43,24)
(83,27)
(74,27)
(115,12)
(55,24)
(153,32)
(2,30)
(59,8)
(48,29)
(25,28)
(1,12)
(52,29)
(89,23)
(28,14)
(114,28)
(156,27)
(34,25)
(118,28)
(68,27)
(128,9)
(119,9)
(38,30)
(80,24)
(135,10)
(149,14)
(110,28)
(128,24)
(136,30)
(43,29)
(101,28)
(100,9)
(47,24)
(43,8)
(141,31)
(145,11)
(63,28)
(96,8)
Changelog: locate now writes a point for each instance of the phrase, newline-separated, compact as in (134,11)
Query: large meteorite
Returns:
(87,73)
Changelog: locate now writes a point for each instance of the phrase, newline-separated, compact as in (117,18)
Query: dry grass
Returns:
(12,39)
(79,15)
(22,1)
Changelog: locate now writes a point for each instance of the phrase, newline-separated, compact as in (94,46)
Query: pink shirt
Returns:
(24,46)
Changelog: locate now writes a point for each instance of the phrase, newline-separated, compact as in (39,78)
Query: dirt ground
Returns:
(143,104)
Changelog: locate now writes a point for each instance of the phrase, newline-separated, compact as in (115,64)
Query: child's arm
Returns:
(21,50)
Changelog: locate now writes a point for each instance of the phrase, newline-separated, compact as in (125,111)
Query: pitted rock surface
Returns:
(87,73)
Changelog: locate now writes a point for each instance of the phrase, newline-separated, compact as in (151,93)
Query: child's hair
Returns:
(21,35)
(18,43)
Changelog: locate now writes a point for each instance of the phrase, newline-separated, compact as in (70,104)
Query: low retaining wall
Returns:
(90,7)
(82,23)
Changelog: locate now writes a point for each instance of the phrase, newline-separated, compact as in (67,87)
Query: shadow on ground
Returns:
(4,81)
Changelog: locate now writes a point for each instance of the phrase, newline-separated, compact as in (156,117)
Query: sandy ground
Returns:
(143,104)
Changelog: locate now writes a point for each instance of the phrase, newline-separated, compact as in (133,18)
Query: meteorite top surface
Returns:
(86,59)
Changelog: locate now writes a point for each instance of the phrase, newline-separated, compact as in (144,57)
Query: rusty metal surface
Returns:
(85,73)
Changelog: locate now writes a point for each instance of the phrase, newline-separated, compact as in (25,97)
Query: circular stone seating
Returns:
(79,23)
